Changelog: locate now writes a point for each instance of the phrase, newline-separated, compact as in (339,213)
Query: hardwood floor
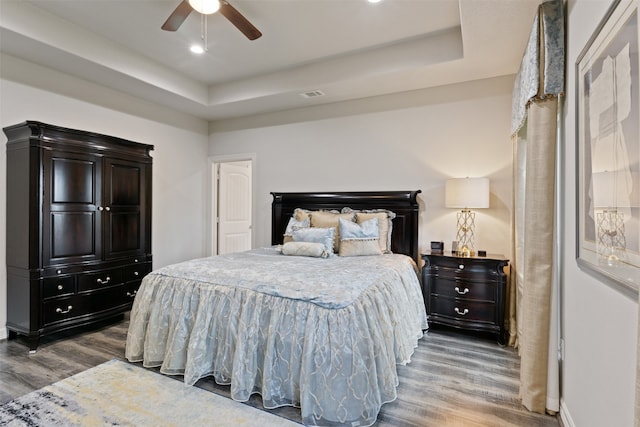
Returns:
(452,380)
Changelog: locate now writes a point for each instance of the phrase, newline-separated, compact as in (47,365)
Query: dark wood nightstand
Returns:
(466,292)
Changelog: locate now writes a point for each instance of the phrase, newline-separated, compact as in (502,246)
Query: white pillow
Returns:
(311,249)
(315,235)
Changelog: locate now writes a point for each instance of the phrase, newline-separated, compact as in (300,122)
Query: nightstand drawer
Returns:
(467,289)
(467,268)
(464,309)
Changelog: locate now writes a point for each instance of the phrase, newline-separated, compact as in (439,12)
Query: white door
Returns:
(234,207)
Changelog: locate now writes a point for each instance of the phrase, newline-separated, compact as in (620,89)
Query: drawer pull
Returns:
(60,287)
(132,294)
(457,289)
(135,273)
(104,282)
(61,311)
(461,266)
(462,313)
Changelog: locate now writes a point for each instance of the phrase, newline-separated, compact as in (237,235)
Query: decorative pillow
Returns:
(325,219)
(385,224)
(316,235)
(301,214)
(311,249)
(359,239)
(293,224)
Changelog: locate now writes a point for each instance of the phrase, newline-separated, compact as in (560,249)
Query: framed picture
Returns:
(608,150)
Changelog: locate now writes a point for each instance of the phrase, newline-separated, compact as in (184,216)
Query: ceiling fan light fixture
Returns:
(206,7)
(197,49)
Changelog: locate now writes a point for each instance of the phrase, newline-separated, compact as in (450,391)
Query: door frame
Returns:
(212,230)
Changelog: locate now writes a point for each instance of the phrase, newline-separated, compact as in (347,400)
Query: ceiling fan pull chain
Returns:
(203,31)
(206,34)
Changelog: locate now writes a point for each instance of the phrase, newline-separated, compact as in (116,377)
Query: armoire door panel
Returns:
(125,185)
(71,229)
(125,226)
(73,181)
(72,234)
(125,232)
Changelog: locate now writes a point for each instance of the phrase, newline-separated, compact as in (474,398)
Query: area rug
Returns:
(117,393)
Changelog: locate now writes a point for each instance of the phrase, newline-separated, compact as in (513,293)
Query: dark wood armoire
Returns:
(78,227)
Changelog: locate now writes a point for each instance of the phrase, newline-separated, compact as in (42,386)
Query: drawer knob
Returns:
(461,313)
(461,266)
(104,282)
(132,294)
(61,311)
(60,287)
(457,289)
(135,273)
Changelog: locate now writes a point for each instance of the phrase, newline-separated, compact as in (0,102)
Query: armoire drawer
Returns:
(130,291)
(99,279)
(59,309)
(58,286)
(136,271)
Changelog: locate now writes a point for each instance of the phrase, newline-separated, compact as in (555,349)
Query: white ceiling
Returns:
(347,49)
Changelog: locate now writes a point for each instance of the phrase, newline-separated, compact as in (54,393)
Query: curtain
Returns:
(533,320)
(637,423)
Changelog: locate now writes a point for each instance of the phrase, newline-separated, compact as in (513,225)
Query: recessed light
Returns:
(374,1)
(196,48)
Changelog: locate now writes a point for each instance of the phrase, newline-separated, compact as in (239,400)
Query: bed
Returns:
(321,334)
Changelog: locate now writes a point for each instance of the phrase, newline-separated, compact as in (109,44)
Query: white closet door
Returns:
(234,207)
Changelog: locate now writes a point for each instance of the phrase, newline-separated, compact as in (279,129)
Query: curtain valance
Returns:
(541,72)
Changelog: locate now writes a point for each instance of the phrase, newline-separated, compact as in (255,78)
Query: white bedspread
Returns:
(321,334)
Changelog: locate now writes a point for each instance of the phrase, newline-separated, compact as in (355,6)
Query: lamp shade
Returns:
(467,193)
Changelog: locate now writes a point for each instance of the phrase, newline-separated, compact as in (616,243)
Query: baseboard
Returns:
(3,334)
(565,417)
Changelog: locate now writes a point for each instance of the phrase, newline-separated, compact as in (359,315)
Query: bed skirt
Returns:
(337,365)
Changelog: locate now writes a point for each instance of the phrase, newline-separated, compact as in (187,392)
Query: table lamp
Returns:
(466,194)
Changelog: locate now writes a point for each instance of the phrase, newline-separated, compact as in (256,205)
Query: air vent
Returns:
(312,94)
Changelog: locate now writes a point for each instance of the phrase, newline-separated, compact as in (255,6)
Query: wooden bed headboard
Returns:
(404,238)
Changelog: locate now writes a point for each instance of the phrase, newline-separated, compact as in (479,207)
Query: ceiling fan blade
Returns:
(178,16)
(241,23)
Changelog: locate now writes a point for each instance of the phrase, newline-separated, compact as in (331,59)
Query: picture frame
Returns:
(608,150)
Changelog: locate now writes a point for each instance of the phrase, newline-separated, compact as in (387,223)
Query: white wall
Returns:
(407,141)
(180,187)
(600,324)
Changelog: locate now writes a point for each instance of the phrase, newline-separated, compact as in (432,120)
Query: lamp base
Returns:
(465,235)
(465,252)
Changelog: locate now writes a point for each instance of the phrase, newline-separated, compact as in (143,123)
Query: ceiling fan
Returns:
(207,7)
